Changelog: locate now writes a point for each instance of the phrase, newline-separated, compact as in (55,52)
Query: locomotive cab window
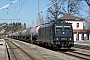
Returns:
(58,28)
(67,28)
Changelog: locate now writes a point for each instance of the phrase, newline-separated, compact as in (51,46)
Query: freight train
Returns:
(54,34)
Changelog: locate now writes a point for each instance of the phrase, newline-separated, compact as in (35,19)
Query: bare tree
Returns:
(63,6)
(88,2)
(40,20)
(54,11)
(87,20)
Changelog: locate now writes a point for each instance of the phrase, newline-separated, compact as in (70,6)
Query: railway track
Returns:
(82,55)
(77,54)
(19,53)
(22,52)
(82,46)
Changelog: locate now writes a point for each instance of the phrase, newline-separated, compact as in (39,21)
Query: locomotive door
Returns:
(51,35)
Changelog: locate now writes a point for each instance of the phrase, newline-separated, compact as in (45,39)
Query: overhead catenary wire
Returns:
(9,4)
(49,6)
(22,3)
(4,7)
(18,9)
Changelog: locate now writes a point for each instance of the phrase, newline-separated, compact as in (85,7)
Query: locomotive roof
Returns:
(45,25)
(51,24)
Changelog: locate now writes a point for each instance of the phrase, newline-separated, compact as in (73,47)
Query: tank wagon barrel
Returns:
(32,33)
(23,35)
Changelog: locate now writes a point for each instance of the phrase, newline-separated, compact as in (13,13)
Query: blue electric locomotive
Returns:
(56,35)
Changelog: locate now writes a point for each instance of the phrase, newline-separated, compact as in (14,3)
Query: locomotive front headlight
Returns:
(70,38)
(56,38)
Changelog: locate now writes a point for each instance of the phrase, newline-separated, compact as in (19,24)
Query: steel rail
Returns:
(12,51)
(86,47)
(76,54)
(24,51)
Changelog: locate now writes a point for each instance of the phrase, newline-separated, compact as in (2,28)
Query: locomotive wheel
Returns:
(46,44)
(55,47)
(38,43)
(51,46)
(31,42)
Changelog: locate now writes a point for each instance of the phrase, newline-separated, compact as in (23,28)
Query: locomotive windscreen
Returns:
(63,31)
(67,28)
(60,28)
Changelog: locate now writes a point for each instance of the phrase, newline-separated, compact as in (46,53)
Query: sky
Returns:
(25,10)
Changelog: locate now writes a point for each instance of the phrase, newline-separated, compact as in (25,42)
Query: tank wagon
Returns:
(23,35)
(9,35)
(32,34)
(56,35)
(16,35)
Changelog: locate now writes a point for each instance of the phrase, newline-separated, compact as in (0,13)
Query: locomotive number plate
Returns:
(63,38)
